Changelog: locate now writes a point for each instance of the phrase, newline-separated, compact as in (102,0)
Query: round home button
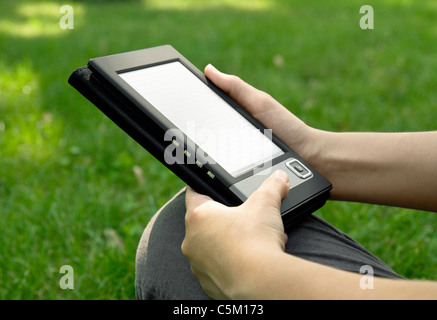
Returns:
(298,169)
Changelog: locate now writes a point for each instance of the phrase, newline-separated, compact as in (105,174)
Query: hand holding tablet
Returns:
(168,106)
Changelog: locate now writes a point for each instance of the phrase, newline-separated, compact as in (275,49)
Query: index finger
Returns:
(194,199)
(235,87)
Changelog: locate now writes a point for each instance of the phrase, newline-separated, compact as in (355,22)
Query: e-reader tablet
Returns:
(170,108)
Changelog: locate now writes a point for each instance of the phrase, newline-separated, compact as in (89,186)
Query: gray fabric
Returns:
(162,272)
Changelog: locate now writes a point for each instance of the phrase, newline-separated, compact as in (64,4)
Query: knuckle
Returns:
(236,85)
(195,271)
(235,79)
(269,191)
(271,194)
(276,180)
(185,248)
(265,98)
(192,216)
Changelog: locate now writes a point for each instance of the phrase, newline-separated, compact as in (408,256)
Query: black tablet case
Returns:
(118,109)
(146,134)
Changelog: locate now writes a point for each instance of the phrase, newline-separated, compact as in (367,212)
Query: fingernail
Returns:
(281,174)
(212,67)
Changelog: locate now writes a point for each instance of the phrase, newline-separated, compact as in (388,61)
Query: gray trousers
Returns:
(162,271)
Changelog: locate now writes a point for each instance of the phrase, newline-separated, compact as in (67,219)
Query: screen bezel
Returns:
(109,67)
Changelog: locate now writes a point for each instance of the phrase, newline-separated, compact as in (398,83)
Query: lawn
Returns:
(75,190)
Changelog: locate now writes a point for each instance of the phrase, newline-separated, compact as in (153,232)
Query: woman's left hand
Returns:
(222,243)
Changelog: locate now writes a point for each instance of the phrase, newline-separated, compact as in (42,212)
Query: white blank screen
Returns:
(224,134)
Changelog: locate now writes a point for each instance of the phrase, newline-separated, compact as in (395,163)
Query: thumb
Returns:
(236,88)
(271,192)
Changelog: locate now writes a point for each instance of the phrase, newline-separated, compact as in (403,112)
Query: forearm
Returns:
(397,169)
(281,276)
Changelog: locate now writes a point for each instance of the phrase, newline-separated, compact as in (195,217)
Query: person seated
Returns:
(196,248)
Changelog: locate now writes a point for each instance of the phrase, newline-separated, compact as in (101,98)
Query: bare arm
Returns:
(238,253)
(398,169)
(282,276)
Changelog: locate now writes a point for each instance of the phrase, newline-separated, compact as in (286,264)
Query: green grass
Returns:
(68,192)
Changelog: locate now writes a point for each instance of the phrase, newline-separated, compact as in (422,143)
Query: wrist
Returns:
(257,276)
(314,148)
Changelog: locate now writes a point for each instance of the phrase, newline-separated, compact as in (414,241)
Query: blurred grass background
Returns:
(76,190)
